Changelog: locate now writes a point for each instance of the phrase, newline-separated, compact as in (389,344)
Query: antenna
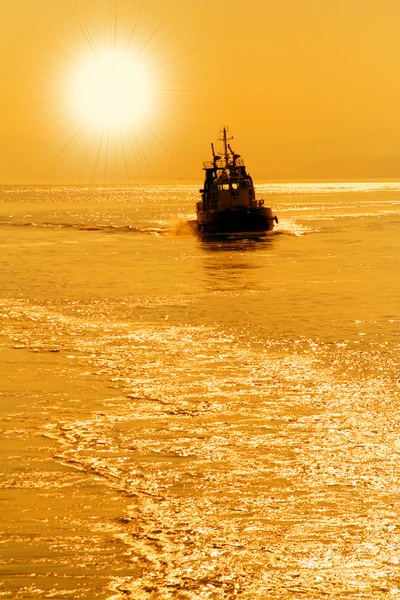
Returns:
(215,156)
(225,140)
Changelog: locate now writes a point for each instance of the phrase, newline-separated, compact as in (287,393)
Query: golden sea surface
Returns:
(192,419)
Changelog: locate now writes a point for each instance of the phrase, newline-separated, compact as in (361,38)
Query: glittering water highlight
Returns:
(187,418)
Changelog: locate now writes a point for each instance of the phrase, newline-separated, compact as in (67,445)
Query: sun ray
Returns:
(64,53)
(135,22)
(97,159)
(68,145)
(149,39)
(120,84)
(157,138)
(107,154)
(85,30)
(124,156)
(133,152)
(88,153)
(139,151)
(114,23)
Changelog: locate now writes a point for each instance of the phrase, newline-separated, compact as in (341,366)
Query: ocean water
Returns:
(186,418)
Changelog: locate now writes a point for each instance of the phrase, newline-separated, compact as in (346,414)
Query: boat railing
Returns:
(221,163)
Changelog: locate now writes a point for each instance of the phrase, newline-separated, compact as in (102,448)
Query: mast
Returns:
(225,146)
(225,140)
(215,157)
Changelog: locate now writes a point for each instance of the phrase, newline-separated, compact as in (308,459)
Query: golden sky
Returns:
(118,91)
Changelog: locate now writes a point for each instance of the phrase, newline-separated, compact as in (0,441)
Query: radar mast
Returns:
(225,141)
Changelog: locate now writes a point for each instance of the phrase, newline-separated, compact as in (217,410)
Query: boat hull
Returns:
(237,220)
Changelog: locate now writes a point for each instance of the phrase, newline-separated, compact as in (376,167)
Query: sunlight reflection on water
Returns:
(221,416)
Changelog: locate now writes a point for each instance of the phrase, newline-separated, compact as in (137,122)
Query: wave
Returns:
(180,228)
(91,227)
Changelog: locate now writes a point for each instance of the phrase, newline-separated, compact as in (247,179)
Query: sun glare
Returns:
(112,90)
(117,96)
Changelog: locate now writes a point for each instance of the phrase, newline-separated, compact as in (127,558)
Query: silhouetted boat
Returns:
(228,201)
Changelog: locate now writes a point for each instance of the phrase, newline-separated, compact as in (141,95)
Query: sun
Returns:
(115,92)
(112,90)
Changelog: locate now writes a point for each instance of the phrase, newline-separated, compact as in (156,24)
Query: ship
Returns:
(228,200)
